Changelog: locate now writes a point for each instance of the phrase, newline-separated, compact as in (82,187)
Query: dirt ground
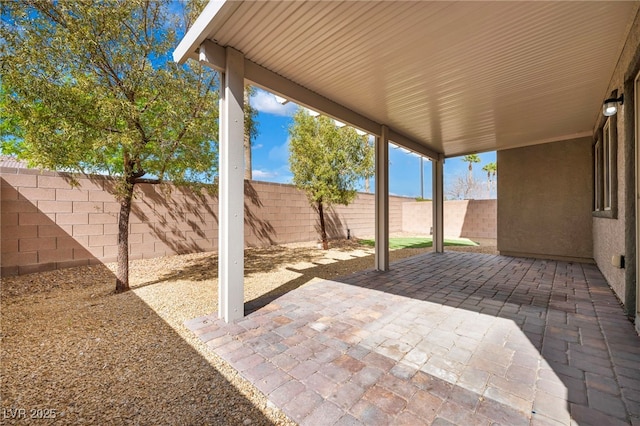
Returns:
(74,351)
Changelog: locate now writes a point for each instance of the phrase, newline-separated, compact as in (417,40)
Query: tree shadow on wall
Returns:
(35,243)
(332,223)
(196,212)
(174,220)
(260,228)
(480,219)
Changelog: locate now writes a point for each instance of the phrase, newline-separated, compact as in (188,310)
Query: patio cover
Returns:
(438,78)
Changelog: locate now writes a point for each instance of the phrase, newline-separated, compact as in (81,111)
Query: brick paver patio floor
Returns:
(452,338)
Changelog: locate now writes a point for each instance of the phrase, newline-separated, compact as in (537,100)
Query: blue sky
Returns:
(270,153)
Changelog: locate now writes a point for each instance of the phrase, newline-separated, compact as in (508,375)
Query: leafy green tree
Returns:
(89,87)
(250,130)
(327,162)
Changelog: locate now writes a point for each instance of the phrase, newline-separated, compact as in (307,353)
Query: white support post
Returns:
(438,204)
(382,200)
(231,190)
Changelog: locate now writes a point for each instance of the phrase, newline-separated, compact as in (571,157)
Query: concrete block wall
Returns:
(359,217)
(280,213)
(462,218)
(47,224)
(417,217)
(480,218)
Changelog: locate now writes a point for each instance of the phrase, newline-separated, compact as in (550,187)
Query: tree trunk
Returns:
(247,158)
(247,143)
(122,274)
(367,189)
(323,230)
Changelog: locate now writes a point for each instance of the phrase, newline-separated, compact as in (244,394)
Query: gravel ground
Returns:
(74,350)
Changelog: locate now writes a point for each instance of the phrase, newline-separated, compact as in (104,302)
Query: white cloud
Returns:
(262,174)
(266,102)
(258,146)
(280,153)
(279,175)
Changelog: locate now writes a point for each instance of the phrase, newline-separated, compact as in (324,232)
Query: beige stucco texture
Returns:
(545,199)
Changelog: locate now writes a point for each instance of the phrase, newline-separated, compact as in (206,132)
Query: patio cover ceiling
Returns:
(452,77)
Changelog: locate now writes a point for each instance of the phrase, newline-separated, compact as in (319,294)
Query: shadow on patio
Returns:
(456,338)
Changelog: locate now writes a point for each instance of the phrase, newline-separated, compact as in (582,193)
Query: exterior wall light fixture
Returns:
(610,105)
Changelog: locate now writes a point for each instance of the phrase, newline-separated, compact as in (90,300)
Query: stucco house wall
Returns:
(615,234)
(545,200)
(609,232)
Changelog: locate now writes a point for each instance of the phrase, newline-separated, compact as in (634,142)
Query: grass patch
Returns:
(419,242)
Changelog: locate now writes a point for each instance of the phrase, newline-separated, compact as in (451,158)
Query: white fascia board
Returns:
(215,13)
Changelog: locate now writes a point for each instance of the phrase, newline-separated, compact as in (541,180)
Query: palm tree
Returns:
(472,158)
(492,170)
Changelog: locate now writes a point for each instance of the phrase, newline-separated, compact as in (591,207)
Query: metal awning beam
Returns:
(213,55)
